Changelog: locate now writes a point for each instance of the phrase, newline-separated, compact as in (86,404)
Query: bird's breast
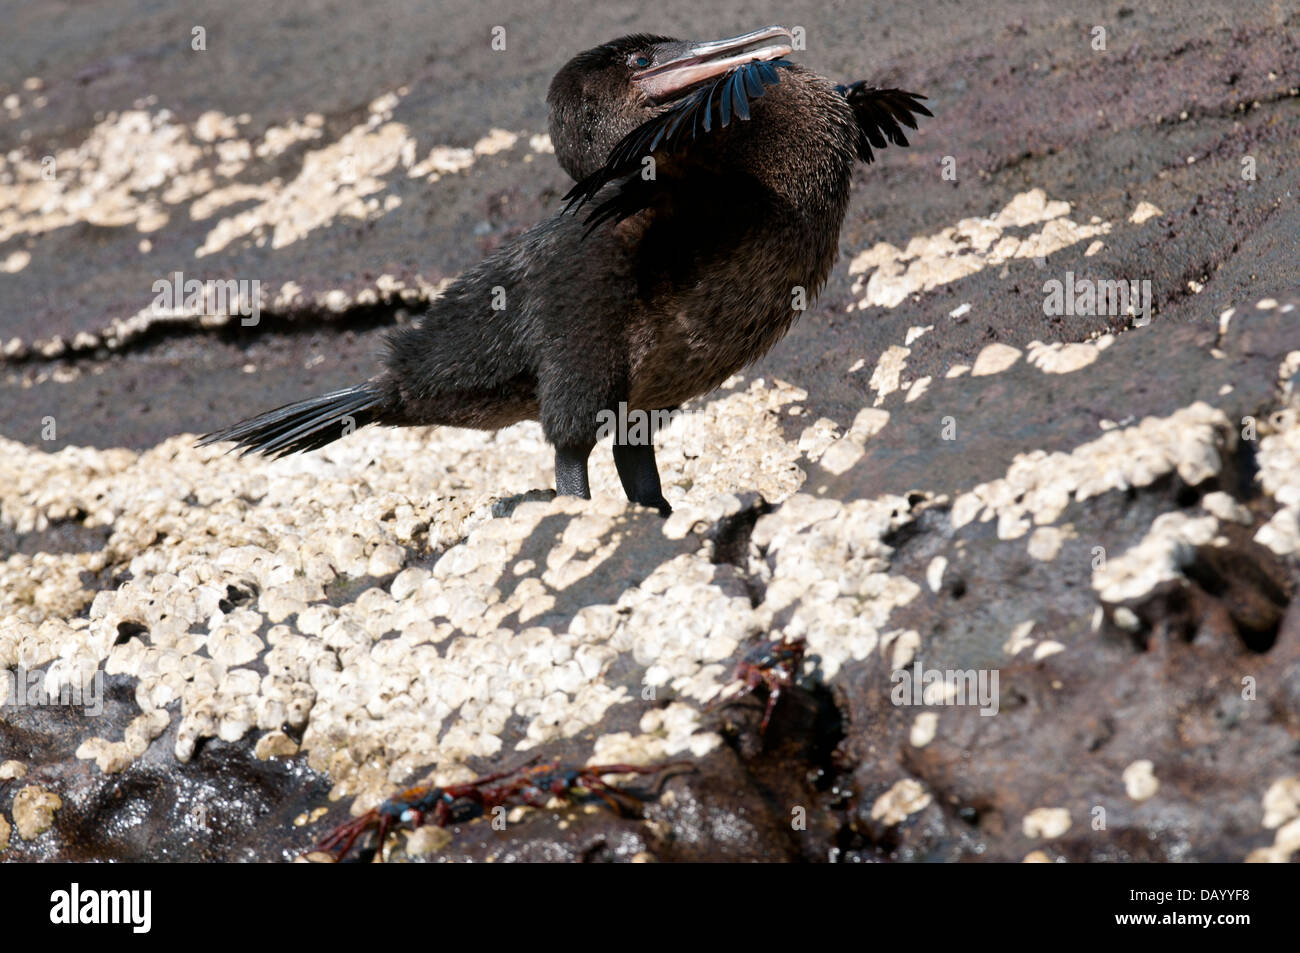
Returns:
(688,343)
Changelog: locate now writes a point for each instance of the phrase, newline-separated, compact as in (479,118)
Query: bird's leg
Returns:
(640,475)
(572,393)
(571,470)
(634,457)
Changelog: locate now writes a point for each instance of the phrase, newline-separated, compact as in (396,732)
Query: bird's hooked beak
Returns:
(703,61)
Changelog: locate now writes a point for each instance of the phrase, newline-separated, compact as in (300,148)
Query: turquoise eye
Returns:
(642,62)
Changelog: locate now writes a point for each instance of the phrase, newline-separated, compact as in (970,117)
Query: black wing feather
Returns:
(710,107)
(739,97)
(880,114)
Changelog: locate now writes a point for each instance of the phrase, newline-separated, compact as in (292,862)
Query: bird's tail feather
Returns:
(305,425)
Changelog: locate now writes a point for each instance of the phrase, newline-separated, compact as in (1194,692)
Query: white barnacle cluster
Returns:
(829,579)
(142,166)
(683,621)
(1281,810)
(223,615)
(364,600)
(1279,473)
(1160,556)
(1066,358)
(1039,486)
(888,275)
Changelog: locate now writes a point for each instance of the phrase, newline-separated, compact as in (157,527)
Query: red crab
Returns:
(412,806)
(521,785)
(535,786)
(773,664)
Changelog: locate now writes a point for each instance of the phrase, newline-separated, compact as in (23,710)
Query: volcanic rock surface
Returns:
(1085,527)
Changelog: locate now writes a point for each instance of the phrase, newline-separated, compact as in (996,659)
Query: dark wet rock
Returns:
(226,804)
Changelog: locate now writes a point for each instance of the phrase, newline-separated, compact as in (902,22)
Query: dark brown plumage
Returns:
(648,288)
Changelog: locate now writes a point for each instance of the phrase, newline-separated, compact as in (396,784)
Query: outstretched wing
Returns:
(710,107)
(880,114)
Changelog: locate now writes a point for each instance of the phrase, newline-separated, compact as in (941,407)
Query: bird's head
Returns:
(604,93)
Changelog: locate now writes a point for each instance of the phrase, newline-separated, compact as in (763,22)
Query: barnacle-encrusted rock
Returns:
(931,475)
